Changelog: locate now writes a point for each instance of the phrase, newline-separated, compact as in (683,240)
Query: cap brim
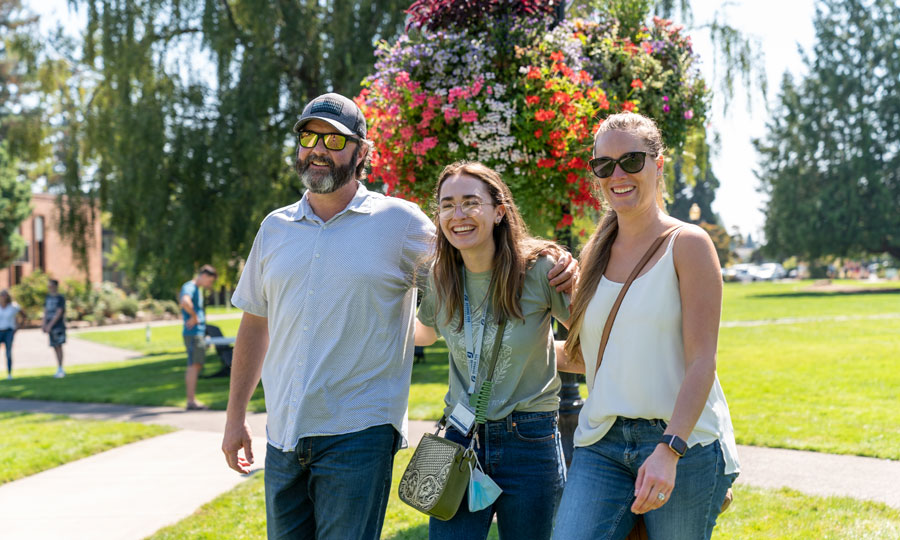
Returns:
(334,123)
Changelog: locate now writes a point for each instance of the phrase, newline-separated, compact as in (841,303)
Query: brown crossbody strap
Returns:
(634,273)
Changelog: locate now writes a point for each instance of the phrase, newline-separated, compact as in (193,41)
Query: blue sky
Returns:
(780,26)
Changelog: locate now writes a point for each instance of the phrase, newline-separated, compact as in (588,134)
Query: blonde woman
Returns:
(654,436)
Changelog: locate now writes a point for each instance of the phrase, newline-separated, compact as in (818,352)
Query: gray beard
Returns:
(330,182)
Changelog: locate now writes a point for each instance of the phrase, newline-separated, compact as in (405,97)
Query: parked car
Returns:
(768,272)
(739,272)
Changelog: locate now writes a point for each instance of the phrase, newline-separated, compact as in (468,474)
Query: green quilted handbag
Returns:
(437,476)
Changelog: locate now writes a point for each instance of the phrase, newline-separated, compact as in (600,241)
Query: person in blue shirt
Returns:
(191,300)
(55,323)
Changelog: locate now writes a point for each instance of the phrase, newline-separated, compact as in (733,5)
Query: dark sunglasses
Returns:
(333,141)
(631,162)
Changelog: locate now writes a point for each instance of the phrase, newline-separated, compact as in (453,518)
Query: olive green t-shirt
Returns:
(525,378)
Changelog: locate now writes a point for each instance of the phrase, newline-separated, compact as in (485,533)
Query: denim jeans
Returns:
(331,487)
(596,503)
(523,455)
(6,338)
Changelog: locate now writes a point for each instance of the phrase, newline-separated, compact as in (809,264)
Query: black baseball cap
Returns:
(340,112)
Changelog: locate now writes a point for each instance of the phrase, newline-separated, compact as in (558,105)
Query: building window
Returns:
(39,254)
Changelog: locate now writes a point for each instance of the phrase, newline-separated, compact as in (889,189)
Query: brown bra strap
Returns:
(634,273)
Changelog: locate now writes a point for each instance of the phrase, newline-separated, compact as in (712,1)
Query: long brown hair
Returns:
(515,249)
(595,256)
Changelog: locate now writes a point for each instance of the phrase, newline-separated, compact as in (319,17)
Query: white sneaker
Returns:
(59,374)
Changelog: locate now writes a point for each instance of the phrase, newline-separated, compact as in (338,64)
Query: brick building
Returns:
(47,251)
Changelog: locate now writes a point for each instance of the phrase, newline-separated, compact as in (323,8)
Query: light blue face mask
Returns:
(482,490)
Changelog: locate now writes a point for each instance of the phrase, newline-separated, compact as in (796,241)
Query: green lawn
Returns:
(828,386)
(755,514)
(163,339)
(156,379)
(766,301)
(31,443)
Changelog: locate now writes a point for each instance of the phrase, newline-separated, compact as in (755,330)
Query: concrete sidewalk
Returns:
(132,491)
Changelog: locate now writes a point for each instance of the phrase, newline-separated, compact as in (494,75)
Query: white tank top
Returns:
(643,365)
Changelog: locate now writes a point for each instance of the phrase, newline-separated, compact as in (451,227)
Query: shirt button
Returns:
(317,255)
(310,291)
(305,328)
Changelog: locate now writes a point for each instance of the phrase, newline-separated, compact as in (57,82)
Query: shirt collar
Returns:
(361,203)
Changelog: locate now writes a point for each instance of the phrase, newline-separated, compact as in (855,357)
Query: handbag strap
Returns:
(634,273)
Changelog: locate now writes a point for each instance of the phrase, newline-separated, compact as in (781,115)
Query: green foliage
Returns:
(15,198)
(185,138)
(829,162)
(31,443)
(30,294)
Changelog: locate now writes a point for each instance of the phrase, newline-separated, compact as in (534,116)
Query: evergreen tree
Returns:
(830,161)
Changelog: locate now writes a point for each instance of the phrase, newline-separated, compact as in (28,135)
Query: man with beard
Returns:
(328,293)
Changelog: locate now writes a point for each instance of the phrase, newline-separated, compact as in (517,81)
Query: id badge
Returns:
(462,418)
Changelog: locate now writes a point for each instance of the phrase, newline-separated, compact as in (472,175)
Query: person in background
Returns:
(10,317)
(55,323)
(194,333)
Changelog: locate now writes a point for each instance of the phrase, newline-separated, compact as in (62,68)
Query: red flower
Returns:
(546,163)
(567,219)
(557,56)
(571,178)
(534,73)
(576,163)
(560,97)
(548,85)
(531,100)
(538,133)
(543,115)
(637,83)
(628,106)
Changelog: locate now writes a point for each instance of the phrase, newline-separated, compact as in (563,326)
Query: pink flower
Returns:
(450,114)
(665,98)
(688,114)
(470,116)
(666,108)
(418,99)
(406,133)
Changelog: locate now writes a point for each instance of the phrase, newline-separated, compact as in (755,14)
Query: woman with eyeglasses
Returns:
(487,268)
(654,437)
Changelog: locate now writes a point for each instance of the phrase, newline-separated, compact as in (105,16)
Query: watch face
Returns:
(679,445)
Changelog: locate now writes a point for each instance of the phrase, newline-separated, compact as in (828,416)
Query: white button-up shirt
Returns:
(340,299)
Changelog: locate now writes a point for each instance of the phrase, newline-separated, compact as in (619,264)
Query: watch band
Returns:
(675,443)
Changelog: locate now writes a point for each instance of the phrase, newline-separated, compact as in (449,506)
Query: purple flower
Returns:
(666,108)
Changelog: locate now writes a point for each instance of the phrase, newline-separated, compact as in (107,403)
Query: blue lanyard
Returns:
(473,353)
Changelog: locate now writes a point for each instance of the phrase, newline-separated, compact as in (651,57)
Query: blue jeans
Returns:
(523,455)
(596,503)
(331,487)
(6,338)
